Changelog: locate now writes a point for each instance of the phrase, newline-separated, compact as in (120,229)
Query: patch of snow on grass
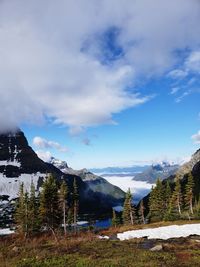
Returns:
(164,232)
(6,231)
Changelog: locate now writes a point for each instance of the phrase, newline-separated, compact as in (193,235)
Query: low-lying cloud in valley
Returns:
(57,60)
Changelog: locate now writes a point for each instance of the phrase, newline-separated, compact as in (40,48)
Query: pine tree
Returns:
(168,194)
(75,197)
(70,217)
(128,215)
(49,212)
(168,207)
(189,193)
(63,203)
(114,218)
(157,202)
(197,208)
(20,210)
(26,214)
(176,200)
(33,210)
(141,212)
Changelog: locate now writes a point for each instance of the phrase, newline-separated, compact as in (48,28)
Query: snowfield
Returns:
(164,232)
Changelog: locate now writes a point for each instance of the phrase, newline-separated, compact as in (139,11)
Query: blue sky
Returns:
(160,129)
(101,83)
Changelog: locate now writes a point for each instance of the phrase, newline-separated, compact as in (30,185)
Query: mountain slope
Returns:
(95,182)
(19,163)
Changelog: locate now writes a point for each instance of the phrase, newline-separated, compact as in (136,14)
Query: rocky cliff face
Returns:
(19,163)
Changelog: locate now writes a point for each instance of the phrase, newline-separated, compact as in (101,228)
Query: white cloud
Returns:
(44,155)
(45,72)
(193,62)
(196,138)
(40,142)
(174,90)
(177,74)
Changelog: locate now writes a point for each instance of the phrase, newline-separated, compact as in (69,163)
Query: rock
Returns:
(15,249)
(114,238)
(157,248)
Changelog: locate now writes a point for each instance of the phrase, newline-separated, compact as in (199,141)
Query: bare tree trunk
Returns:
(178,204)
(131,216)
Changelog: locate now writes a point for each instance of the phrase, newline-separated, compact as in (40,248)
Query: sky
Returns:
(102,83)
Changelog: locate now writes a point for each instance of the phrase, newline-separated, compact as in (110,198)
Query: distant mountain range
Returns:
(129,171)
(19,163)
(160,170)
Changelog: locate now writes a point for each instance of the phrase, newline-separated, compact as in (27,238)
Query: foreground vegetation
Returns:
(86,250)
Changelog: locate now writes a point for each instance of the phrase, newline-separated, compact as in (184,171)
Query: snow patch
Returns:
(10,186)
(6,231)
(164,232)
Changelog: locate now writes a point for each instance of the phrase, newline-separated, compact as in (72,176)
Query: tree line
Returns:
(167,202)
(53,207)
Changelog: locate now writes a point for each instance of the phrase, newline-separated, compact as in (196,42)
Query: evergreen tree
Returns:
(128,215)
(20,210)
(168,206)
(63,203)
(157,202)
(168,194)
(75,197)
(49,212)
(26,214)
(70,217)
(197,208)
(33,210)
(114,218)
(189,193)
(176,200)
(141,212)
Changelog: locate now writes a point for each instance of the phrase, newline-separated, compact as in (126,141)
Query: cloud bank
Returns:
(78,62)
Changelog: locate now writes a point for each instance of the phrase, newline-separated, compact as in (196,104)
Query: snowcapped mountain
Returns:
(19,163)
